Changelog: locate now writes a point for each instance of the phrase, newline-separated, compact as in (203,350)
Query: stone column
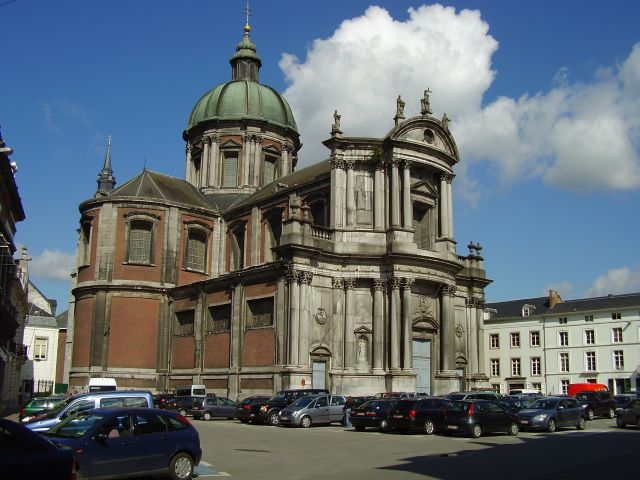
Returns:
(395,194)
(337,193)
(294,315)
(284,159)
(450,206)
(407,340)
(351,195)
(407,211)
(448,329)
(244,178)
(214,161)
(204,164)
(378,197)
(350,304)
(444,213)
(305,279)
(480,335)
(472,335)
(337,325)
(394,327)
(257,159)
(378,324)
(189,169)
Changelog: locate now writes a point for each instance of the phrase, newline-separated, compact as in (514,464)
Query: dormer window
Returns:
(528,310)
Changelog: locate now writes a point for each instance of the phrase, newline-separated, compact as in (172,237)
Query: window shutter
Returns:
(230,172)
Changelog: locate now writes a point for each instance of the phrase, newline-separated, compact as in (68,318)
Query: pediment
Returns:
(230,144)
(427,136)
(362,330)
(424,188)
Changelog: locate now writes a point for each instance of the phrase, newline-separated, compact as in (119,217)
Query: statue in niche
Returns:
(361,357)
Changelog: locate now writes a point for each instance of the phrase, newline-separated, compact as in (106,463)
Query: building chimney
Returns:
(554,298)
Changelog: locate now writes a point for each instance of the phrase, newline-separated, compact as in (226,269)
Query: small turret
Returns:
(106,180)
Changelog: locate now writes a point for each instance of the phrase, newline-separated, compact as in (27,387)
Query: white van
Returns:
(102,385)
(191,390)
(524,391)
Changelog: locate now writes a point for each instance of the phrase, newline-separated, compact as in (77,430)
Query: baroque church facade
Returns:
(251,275)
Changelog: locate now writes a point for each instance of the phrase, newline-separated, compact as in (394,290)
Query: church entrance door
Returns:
(422,365)
(319,379)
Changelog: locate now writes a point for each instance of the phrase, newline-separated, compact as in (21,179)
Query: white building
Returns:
(546,344)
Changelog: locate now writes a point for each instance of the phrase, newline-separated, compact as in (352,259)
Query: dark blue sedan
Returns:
(551,413)
(129,442)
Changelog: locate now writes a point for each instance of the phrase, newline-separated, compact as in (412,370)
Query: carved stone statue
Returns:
(445,121)
(336,122)
(361,357)
(425,104)
(399,107)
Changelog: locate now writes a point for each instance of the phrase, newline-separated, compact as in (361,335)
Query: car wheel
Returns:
(429,427)
(551,426)
(181,466)
(206,416)
(182,412)
(590,414)
(514,429)
(620,423)
(305,422)
(272,419)
(383,425)
(611,412)
(582,422)
(359,428)
(476,431)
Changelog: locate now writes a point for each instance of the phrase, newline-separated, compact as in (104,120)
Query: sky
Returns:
(543,97)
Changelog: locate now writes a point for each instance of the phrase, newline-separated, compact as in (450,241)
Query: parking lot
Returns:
(331,452)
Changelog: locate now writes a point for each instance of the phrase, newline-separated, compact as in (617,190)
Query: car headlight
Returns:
(540,418)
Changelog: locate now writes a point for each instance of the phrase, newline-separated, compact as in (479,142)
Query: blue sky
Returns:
(544,98)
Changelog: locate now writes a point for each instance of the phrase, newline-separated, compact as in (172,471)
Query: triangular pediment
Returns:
(230,143)
(424,188)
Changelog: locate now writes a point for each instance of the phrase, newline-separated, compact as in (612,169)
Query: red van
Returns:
(586,387)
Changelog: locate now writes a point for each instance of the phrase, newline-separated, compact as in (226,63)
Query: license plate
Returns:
(359,414)
(524,422)
(452,427)
(397,415)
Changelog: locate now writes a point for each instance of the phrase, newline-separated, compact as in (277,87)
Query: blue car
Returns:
(551,413)
(129,442)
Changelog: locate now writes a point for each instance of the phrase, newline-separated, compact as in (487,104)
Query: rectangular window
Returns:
(515,367)
(515,340)
(590,361)
(196,250)
(564,361)
(230,169)
(495,387)
(564,387)
(494,340)
(140,234)
(563,339)
(184,324)
(537,386)
(495,367)
(588,318)
(219,320)
(535,366)
(616,316)
(535,339)
(618,359)
(562,320)
(616,335)
(589,337)
(364,198)
(40,348)
(269,170)
(260,313)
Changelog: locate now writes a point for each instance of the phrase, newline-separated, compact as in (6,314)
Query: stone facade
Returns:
(257,276)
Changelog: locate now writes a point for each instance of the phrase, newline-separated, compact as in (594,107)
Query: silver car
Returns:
(313,409)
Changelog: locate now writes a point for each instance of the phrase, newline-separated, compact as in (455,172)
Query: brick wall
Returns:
(133,332)
(216,350)
(258,349)
(82,331)
(183,352)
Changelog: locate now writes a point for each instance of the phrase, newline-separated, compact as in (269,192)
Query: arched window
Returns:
(272,233)
(319,212)
(140,238)
(196,250)
(236,244)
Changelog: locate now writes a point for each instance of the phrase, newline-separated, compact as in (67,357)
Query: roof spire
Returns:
(106,180)
(246,62)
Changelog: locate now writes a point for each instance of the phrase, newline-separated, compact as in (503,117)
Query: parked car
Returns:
(425,414)
(26,454)
(473,396)
(623,399)
(211,407)
(515,403)
(372,414)
(37,405)
(550,413)
(476,417)
(160,400)
(87,401)
(398,395)
(597,403)
(313,410)
(119,442)
(630,415)
(248,410)
(183,404)
(270,410)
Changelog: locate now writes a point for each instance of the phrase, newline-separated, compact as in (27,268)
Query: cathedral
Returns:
(252,275)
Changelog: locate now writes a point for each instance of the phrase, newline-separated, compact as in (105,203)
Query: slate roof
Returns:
(513,308)
(158,186)
(42,321)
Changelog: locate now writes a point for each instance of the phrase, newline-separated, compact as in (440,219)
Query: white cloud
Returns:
(574,136)
(52,265)
(616,281)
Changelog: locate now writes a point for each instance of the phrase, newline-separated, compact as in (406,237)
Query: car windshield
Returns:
(59,407)
(455,396)
(302,402)
(277,398)
(544,404)
(76,425)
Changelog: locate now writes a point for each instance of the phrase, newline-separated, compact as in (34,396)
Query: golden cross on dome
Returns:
(247,12)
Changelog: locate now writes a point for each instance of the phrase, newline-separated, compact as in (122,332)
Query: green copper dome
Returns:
(243,99)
